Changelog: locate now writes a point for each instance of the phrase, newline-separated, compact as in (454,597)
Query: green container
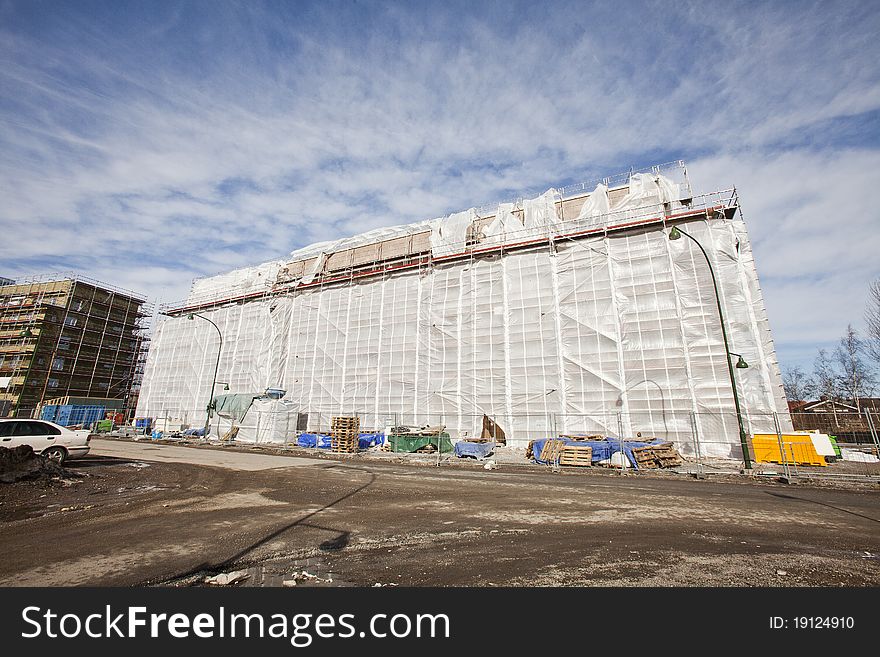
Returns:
(104,426)
(833,440)
(411,443)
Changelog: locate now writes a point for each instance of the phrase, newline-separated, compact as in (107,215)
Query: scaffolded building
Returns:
(72,338)
(569,313)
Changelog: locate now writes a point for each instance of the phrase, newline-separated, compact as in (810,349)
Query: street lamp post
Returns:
(192,316)
(675,234)
(619,401)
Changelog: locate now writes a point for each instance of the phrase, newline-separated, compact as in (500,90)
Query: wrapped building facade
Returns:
(569,313)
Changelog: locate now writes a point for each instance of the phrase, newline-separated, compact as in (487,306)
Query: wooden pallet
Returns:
(657,456)
(581,437)
(551,449)
(580,455)
(343,445)
(342,423)
(344,434)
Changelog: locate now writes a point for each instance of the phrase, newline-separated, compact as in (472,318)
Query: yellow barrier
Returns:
(799,449)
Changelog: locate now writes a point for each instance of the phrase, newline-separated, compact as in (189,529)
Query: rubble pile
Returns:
(22,462)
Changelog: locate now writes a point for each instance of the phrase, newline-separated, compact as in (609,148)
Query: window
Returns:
(64,343)
(34,428)
(70,321)
(52,383)
(46,429)
(57,363)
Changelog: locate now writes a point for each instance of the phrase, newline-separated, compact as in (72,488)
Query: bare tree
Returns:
(856,378)
(872,319)
(798,385)
(826,377)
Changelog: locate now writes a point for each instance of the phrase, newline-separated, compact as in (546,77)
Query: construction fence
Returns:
(709,443)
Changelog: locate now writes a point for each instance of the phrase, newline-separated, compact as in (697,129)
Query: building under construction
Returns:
(569,313)
(69,340)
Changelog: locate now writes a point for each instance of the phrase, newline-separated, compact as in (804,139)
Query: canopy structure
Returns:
(571,312)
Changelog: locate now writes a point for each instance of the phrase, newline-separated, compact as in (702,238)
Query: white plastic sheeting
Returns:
(614,334)
(266,421)
(448,235)
(236,283)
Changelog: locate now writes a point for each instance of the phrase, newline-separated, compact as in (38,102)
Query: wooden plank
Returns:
(578,455)
(396,248)
(657,456)
(551,449)
(362,255)
(338,260)
(421,242)
(343,445)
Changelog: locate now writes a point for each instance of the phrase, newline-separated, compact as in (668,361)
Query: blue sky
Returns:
(146,143)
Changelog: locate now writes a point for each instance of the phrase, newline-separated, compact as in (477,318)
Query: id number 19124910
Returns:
(823,622)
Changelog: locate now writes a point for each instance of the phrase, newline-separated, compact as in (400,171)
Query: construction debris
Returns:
(23,463)
(225,579)
(657,456)
(491,432)
(305,576)
(419,439)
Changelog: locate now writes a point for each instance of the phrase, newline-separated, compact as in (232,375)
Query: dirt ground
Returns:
(128,521)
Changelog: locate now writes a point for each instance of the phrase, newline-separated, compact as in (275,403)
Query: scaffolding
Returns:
(66,335)
(538,313)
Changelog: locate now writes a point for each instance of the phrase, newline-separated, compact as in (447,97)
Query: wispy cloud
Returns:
(147,145)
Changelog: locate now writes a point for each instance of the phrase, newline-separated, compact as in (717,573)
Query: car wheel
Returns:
(57,454)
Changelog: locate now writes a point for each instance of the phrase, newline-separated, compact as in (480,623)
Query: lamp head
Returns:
(741,364)
(675,233)
(190,316)
(226,387)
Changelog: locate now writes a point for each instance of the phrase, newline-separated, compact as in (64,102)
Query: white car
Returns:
(47,438)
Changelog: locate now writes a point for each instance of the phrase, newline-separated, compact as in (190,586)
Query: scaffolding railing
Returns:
(717,204)
(73,276)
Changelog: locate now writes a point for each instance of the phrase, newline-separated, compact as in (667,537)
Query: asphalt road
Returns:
(154,452)
(150,514)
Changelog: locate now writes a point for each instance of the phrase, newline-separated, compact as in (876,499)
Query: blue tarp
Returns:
(322,440)
(477,450)
(319,440)
(369,439)
(602,449)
